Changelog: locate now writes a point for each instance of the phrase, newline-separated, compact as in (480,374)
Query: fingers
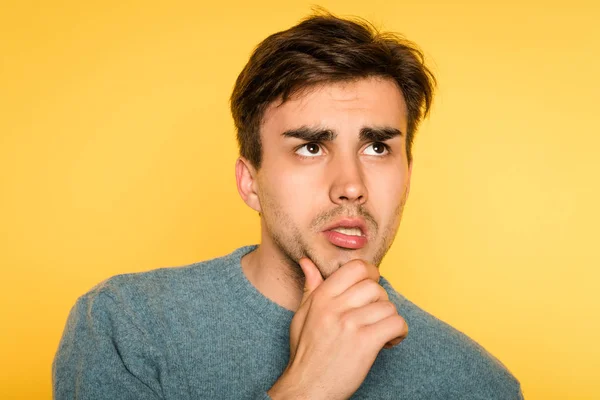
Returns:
(354,294)
(348,275)
(388,331)
(379,322)
(313,278)
(369,314)
(361,294)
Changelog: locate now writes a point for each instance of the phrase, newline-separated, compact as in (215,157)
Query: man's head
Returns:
(326,113)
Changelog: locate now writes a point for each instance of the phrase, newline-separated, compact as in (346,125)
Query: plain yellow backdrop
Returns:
(117,155)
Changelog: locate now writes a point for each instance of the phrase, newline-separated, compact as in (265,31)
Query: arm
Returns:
(103,354)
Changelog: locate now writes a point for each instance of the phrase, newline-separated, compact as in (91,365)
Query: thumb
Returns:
(312,275)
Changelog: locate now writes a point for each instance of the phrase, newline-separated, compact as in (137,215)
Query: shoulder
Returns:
(451,358)
(157,290)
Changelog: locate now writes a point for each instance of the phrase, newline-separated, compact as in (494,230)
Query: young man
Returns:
(325,113)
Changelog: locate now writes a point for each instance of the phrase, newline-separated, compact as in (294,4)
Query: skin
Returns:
(301,187)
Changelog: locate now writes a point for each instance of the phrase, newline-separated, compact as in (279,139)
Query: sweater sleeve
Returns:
(104,354)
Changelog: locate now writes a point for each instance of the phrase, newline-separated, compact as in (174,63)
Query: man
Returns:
(325,113)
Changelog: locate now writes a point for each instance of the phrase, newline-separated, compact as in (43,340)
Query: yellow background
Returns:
(117,154)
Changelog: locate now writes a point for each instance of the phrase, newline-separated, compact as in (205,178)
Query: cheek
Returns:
(385,199)
(386,192)
(387,184)
(288,196)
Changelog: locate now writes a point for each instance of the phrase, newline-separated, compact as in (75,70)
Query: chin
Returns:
(343,255)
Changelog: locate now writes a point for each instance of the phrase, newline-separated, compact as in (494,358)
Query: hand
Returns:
(339,328)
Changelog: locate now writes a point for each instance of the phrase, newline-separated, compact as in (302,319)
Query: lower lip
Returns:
(347,241)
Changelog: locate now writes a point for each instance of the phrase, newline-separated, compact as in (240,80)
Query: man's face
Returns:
(329,154)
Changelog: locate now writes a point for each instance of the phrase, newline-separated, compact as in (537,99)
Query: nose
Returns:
(348,183)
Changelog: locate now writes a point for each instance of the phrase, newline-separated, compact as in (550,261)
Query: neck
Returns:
(275,276)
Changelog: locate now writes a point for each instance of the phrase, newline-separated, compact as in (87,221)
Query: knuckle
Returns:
(365,270)
(369,285)
(389,307)
(347,323)
(375,289)
(360,267)
(401,323)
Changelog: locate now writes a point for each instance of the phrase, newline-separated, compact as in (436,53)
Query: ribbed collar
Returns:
(275,318)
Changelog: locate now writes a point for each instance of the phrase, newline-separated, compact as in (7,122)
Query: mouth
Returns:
(347,233)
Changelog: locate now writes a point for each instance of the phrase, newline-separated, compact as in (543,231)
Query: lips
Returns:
(349,223)
(343,240)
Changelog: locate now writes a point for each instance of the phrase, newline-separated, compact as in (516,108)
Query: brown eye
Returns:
(378,149)
(309,150)
(312,148)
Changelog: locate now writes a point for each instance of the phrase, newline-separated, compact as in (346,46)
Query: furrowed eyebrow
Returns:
(368,134)
(311,134)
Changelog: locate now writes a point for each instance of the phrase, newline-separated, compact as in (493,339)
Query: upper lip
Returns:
(349,223)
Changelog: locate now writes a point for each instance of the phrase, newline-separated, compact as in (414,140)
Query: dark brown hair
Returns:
(324,49)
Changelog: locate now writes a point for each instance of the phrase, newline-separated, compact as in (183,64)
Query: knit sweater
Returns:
(203,331)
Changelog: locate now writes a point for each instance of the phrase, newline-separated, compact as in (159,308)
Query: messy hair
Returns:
(325,49)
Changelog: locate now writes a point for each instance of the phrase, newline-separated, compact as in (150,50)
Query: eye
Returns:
(309,150)
(379,149)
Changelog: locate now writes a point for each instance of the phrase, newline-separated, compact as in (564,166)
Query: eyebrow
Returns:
(368,134)
(313,134)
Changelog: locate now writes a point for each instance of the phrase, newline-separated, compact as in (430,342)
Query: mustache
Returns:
(326,217)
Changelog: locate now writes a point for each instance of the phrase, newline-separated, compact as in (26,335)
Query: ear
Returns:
(410,165)
(247,185)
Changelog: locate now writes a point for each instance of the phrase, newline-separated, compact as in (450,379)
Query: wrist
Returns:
(286,388)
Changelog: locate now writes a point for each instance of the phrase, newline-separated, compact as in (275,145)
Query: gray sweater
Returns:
(203,331)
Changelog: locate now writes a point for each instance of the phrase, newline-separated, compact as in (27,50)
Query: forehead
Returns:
(343,106)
